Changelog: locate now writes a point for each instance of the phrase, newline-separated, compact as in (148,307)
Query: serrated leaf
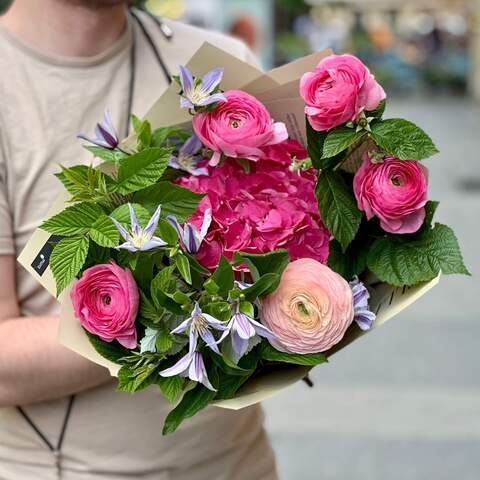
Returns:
(315,141)
(74,220)
(339,139)
(165,339)
(104,233)
(175,200)
(271,354)
(338,208)
(171,387)
(404,261)
(107,154)
(67,259)
(142,170)
(403,139)
(132,380)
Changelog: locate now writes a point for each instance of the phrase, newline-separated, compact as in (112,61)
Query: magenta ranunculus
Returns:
(105,300)
(393,190)
(340,88)
(266,209)
(241,127)
(310,310)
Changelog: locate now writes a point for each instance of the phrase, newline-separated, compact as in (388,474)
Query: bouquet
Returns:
(207,255)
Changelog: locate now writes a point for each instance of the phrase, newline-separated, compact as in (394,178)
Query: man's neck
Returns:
(60,28)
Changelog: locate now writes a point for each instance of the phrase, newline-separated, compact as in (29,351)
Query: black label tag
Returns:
(41,261)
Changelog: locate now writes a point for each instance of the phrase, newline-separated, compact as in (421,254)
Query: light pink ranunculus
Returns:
(310,310)
(269,208)
(340,88)
(105,300)
(393,190)
(241,127)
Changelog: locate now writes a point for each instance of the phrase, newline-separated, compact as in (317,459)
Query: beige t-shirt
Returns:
(44,102)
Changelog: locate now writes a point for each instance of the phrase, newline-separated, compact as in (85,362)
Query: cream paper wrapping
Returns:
(278,90)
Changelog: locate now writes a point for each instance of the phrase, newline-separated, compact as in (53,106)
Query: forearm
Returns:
(34,367)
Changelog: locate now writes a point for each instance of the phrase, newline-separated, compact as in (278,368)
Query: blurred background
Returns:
(404,404)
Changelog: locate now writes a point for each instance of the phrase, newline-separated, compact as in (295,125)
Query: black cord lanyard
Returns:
(167,34)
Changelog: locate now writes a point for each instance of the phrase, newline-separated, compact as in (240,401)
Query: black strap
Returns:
(150,41)
(55,449)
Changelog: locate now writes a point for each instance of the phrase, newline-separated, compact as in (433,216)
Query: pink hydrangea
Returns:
(257,212)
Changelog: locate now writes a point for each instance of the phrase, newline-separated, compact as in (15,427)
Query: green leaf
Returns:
(247,308)
(142,170)
(400,260)
(229,384)
(273,262)
(175,200)
(161,135)
(315,141)
(339,139)
(271,354)
(165,339)
(192,402)
(403,139)
(144,134)
(122,215)
(223,277)
(167,233)
(112,351)
(338,208)
(171,387)
(164,281)
(183,266)
(107,154)
(351,262)
(74,220)
(378,112)
(148,310)
(430,209)
(132,380)
(104,233)
(67,259)
(263,286)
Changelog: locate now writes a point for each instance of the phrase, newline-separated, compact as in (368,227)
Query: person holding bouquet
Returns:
(63,62)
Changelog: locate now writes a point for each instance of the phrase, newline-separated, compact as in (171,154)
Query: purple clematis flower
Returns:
(244,331)
(140,239)
(187,158)
(189,235)
(198,93)
(105,134)
(192,367)
(362,313)
(200,324)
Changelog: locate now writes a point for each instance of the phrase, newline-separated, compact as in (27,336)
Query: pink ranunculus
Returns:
(310,310)
(340,88)
(241,127)
(393,190)
(105,300)
(266,209)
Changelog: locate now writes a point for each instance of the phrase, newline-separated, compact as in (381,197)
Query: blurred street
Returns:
(404,403)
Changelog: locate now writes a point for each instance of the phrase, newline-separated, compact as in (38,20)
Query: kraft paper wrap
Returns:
(278,90)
